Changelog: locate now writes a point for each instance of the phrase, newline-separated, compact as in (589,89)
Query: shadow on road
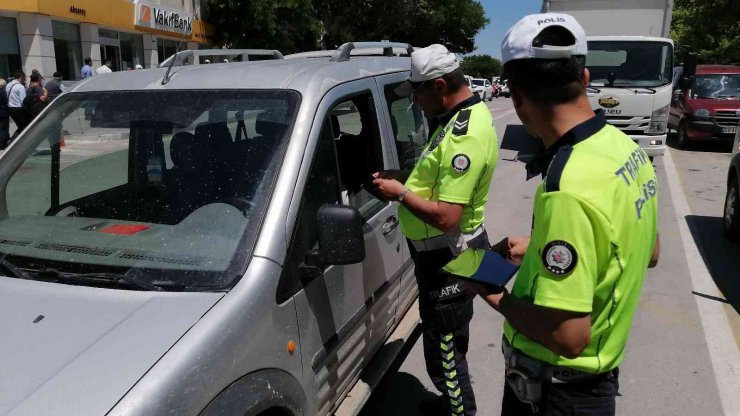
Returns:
(517,139)
(721,257)
(719,146)
(398,393)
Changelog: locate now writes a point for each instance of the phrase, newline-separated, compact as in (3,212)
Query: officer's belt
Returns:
(518,362)
(443,241)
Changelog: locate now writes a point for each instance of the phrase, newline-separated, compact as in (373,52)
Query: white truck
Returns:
(630,60)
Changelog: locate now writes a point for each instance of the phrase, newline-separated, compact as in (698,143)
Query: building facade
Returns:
(56,35)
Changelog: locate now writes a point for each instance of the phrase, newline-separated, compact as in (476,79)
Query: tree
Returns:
(286,25)
(453,23)
(709,27)
(481,66)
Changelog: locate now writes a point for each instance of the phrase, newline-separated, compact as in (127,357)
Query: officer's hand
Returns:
(388,174)
(389,189)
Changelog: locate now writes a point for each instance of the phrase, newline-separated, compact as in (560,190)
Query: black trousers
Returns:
(595,397)
(446,309)
(4,131)
(20,118)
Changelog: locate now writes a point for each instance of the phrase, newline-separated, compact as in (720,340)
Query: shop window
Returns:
(10,57)
(166,48)
(132,51)
(67,49)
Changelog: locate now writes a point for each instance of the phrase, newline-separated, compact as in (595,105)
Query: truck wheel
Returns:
(683,138)
(732,210)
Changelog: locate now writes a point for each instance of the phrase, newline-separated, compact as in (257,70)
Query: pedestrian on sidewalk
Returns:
(36,97)
(594,233)
(54,87)
(4,118)
(86,70)
(442,203)
(105,69)
(16,92)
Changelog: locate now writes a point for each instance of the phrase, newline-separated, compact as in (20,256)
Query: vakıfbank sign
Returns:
(163,19)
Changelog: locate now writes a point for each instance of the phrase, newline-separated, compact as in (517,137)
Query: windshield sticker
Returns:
(125,229)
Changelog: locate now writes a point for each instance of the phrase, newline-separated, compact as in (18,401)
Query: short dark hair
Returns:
(455,80)
(88,61)
(57,74)
(35,77)
(548,81)
(18,74)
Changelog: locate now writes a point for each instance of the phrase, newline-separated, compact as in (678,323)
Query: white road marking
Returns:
(723,351)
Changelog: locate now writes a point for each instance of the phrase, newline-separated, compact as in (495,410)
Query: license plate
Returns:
(729,130)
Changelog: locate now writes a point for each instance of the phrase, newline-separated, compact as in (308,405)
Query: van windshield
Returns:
(630,63)
(158,186)
(478,82)
(716,86)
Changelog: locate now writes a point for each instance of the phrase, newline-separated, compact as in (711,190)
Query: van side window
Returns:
(359,150)
(322,187)
(407,122)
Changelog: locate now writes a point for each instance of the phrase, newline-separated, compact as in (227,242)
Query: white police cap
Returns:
(517,43)
(428,63)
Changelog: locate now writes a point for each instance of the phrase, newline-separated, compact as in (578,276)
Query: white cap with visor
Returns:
(518,41)
(428,63)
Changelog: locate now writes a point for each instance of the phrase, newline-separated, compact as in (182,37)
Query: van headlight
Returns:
(659,121)
(702,112)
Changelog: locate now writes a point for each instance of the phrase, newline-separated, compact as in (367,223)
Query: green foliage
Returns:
(453,23)
(287,25)
(296,25)
(481,66)
(709,27)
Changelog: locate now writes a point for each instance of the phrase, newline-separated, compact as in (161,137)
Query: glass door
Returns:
(110,48)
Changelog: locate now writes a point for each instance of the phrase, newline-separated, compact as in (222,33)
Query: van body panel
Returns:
(246,331)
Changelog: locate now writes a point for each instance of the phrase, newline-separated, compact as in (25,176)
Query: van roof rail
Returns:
(182,56)
(343,52)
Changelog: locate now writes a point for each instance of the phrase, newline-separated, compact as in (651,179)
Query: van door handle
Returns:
(389,225)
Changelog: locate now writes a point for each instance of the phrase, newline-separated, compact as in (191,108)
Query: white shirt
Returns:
(103,70)
(16,92)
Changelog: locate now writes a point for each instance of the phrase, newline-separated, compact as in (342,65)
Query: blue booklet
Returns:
(482,266)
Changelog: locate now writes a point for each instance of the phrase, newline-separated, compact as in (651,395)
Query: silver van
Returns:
(197,240)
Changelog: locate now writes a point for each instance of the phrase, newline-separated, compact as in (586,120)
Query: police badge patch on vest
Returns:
(460,163)
(559,257)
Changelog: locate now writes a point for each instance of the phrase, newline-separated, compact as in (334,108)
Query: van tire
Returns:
(683,138)
(731,214)
(263,393)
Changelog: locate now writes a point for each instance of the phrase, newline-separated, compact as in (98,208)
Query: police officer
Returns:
(594,233)
(442,204)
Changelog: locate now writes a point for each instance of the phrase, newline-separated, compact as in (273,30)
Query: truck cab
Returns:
(631,80)
(706,104)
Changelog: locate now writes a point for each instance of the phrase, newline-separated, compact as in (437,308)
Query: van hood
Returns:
(74,350)
(712,104)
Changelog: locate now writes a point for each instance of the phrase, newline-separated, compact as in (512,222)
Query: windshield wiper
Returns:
(118,278)
(12,268)
(594,89)
(634,89)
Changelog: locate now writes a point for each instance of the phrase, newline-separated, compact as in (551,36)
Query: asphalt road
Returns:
(682,357)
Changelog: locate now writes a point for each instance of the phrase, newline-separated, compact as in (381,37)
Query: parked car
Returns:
(503,89)
(202,243)
(482,87)
(706,104)
(732,198)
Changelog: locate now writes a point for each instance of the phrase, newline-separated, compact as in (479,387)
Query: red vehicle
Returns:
(706,104)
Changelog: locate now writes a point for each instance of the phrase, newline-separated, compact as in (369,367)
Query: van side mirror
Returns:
(341,237)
